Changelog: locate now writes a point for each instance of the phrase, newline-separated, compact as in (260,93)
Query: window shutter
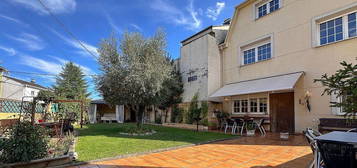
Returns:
(335,110)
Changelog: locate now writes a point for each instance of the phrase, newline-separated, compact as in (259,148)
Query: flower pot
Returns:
(251,132)
(284,135)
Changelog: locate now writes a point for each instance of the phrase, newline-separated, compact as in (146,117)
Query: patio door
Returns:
(282,112)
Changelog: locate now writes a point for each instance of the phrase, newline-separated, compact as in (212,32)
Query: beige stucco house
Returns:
(275,49)
(200,63)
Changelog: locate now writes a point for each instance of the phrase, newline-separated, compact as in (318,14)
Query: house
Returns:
(274,50)
(17,89)
(200,63)
(101,111)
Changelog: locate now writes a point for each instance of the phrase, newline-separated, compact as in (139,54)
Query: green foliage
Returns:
(158,119)
(60,147)
(172,88)
(177,114)
(343,84)
(70,83)
(131,129)
(46,95)
(26,142)
(197,110)
(133,72)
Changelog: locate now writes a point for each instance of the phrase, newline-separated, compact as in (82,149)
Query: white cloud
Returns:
(56,6)
(136,27)
(40,64)
(9,50)
(213,13)
(75,44)
(31,41)
(12,19)
(112,23)
(188,18)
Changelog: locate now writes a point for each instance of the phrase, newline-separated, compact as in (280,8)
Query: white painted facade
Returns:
(200,63)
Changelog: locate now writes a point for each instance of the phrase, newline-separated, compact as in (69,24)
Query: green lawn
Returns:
(98,141)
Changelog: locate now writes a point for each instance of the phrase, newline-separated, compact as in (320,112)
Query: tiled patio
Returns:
(245,152)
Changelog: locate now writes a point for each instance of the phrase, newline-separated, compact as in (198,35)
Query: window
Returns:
(338,29)
(266,8)
(263,105)
(274,5)
(352,24)
(192,78)
(244,106)
(32,93)
(236,106)
(252,105)
(263,53)
(249,56)
(331,31)
(262,10)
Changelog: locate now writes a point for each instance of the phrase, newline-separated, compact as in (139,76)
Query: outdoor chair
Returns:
(337,154)
(230,124)
(310,135)
(260,126)
(352,130)
(239,126)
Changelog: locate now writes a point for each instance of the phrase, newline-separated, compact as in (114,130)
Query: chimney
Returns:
(33,81)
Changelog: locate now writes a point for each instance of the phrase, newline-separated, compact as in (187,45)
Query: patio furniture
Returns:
(336,124)
(310,135)
(260,126)
(338,149)
(239,125)
(352,130)
(108,117)
(230,124)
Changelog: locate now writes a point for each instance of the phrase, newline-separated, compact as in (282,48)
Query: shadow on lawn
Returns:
(162,133)
(191,136)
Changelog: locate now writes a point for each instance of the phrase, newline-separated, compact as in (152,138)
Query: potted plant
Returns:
(250,129)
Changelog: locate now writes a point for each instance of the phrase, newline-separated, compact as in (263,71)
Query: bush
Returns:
(177,114)
(131,129)
(158,120)
(26,142)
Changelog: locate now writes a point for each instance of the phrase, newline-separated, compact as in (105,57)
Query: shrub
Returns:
(25,142)
(158,120)
(177,114)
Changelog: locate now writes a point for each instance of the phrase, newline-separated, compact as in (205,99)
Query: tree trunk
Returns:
(139,116)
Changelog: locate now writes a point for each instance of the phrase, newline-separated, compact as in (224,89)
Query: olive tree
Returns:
(133,71)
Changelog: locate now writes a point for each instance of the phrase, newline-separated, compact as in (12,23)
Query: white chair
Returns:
(310,135)
(230,124)
(108,117)
(260,126)
(352,130)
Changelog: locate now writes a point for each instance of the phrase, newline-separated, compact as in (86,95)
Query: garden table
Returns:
(339,136)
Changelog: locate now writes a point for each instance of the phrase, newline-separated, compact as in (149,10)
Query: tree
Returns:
(134,71)
(343,84)
(70,83)
(170,93)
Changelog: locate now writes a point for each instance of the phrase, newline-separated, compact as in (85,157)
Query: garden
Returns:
(96,141)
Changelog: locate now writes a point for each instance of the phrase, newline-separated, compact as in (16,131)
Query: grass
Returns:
(98,141)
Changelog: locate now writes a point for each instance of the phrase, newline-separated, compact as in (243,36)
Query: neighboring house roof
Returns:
(203,32)
(26,83)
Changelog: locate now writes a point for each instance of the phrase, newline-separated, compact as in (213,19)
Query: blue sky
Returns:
(31,41)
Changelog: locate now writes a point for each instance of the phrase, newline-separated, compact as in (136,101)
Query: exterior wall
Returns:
(28,92)
(214,66)
(291,30)
(194,61)
(12,89)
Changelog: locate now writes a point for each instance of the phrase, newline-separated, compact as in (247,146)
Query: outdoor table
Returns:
(339,136)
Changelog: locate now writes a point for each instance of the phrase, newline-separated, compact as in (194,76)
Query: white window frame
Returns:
(255,47)
(338,111)
(257,5)
(343,12)
(249,98)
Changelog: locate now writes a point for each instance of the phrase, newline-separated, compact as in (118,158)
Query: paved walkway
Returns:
(245,152)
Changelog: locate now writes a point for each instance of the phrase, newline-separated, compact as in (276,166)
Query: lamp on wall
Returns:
(307,97)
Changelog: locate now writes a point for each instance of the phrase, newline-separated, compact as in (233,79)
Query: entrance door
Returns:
(282,112)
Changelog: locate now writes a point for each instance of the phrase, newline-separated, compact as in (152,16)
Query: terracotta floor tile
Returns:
(265,152)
